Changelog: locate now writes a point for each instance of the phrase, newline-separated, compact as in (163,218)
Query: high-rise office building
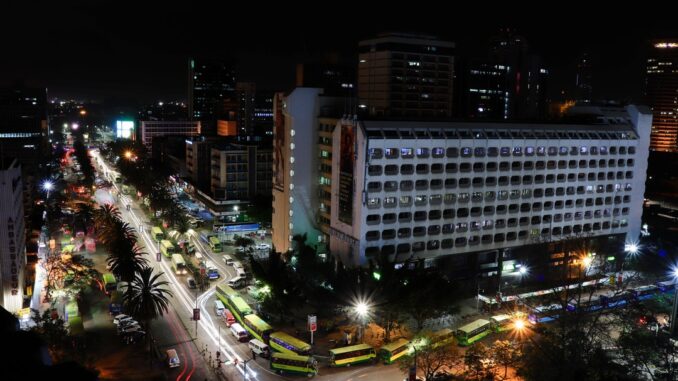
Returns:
(302,166)
(263,114)
(472,195)
(405,75)
(246,96)
(510,83)
(661,94)
(24,125)
(211,92)
(12,235)
(584,86)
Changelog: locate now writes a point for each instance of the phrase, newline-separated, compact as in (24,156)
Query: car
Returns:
(263,246)
(240,250)
(130,329)
(122,317)
(191,283)
(127,323)
(228,260)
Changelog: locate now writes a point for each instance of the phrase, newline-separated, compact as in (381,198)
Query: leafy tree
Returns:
(243,241)
(429,357)
(73,273)
(506,353)
(478,361)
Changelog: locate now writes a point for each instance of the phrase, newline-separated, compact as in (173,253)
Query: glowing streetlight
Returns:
(519,324)
(586,261)
(128,155)
(47,185)
(362,309)
(522,270)
(631,248)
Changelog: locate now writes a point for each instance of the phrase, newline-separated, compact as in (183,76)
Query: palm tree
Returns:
(147,297)
(126,260)
(103,219)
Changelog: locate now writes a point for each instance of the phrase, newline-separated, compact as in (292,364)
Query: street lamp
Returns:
(362,309)
(47,185)
(674,308)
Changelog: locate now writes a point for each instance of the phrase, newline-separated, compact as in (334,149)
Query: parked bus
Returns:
(258,328)
(225,292)
(472,332)
(239,308)
(544,314)
(215,244)
(282,342)
(110,283)
(115,307)
(71,310)
(645,292)
(293,363)
(178,264)
(394,350)
(355,354)
(167,248)
(442,337)
(157,233)
(205,235)
(500,322)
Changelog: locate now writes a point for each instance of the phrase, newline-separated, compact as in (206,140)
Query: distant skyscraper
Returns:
(211,91)
(334,79)
(406,76)
(584,90)
(263,114)
(12,235)
(23,125)
(246,95)
(509,84)
(153,128)
(661,94)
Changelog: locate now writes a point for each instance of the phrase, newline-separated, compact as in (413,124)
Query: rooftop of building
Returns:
(408,38)
(581,122)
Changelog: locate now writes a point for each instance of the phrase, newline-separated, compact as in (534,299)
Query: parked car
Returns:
(191,283)
(122,317)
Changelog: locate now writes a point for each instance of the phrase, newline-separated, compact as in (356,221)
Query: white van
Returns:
(228,259)
(219,307)
(240,273)
(236,282)
(239,332)
(259,348)
(173,359)
(238,265)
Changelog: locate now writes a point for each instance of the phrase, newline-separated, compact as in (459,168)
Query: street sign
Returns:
(312,323)
(157,256)
(196,315)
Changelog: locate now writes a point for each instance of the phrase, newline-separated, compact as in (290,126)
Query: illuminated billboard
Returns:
(124,129)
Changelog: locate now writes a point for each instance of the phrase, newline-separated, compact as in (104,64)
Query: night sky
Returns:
(101,50)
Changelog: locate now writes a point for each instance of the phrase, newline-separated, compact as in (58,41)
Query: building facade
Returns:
(240,171)
(211,92)
(150,129)
(404,75)
(430,191)
(302,166)
(661,94)
(12,235)
(246,95)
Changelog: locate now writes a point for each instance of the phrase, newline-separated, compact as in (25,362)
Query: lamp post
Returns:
(47,185)
(674,308)
(363,310)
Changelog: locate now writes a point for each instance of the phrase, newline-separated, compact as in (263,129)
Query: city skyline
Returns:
(105,52)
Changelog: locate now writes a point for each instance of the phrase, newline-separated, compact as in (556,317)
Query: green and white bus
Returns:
(293,363)
(394,350)
(215,244)
(178,264)
(157,233)
(257,327)
(239,308)
(282,342)
(355,354)
(110,283)
(442,337)
(167,248)
(472,332)
(225,292)
(500,322)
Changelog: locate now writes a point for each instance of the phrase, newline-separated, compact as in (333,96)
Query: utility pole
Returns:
(674,314)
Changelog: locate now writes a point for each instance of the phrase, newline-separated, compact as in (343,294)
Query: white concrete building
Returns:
(433,190)
(154,128)
(12,236)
